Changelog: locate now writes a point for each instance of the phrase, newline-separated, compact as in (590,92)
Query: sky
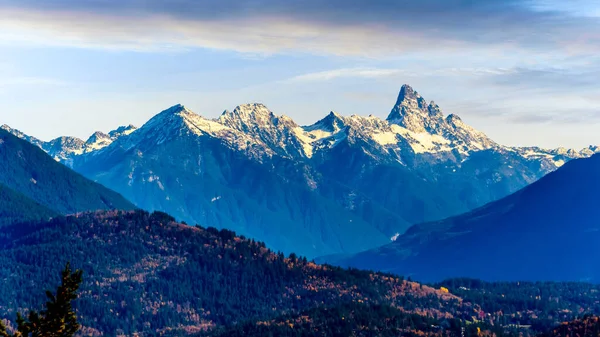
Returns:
(525,72)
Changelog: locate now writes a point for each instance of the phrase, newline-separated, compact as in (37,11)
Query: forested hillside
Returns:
(588,326)
(541,305)
(27,169)
(145,273)
(356,319)
(16,207)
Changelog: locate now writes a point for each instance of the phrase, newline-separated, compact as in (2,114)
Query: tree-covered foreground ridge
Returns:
(148,275)
(58,319)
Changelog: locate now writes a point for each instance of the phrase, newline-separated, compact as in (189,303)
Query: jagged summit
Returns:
(434,110)
(333,122)
(452,118)
(246,117)
(412,112)
(122,131)
(413,127)
(175,109)
(249,110)
(21,135)
(96,136)
(408,95)
(253,108)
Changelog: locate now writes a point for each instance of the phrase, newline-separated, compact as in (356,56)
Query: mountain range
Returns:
(341,185)
(548,230)
(146,274)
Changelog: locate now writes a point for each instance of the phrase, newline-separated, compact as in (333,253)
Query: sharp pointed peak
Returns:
(332,122)
(176,108)
(407,88)
(453,119)
(173,116)
(335,114)
(331,116)
(97,136)
(407,93)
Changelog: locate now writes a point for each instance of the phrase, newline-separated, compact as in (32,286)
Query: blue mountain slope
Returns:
(549,230)
(28,170)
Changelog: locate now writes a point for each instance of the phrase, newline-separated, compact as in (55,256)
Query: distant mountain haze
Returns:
(340,186)
(549,230)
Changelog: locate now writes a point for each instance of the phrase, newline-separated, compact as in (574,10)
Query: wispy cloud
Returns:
(30,81)
(555,78)
(574,116)
(347,73)
(376,28)
(374,73)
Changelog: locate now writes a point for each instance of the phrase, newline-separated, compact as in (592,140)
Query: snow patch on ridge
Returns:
(385,138)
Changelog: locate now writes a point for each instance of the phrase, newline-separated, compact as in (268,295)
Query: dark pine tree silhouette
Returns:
(59,318)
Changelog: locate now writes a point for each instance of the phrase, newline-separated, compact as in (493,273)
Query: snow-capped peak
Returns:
(410,97)
(434,110)
(122,131)
(332,123)
(97,137)
(21,135)
(253,110)
(412,112)
(252,117)
(177,120)
(453,119)
(97,141)
(278,133)
(414,127)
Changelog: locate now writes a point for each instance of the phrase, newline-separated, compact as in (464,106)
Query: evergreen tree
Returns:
(59,318)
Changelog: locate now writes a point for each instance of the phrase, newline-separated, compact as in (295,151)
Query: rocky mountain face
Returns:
(341,185)
(548,230)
